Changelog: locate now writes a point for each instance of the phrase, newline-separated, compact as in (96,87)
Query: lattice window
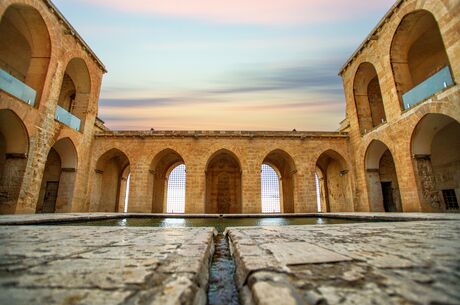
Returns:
(270,188)
(450,199)
(175,202)
(318,193)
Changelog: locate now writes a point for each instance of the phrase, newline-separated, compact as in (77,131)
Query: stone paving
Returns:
(415,262)
(104,265)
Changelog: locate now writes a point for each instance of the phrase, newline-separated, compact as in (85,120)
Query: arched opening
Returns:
(110,182)
(333,183)
(175,201)
(161,168)
(436,156)
(284,167)
(382,180)
(419,60)
(368,98)
(74,95)
(270,190)
(58,182)
(14,146)
(25,51)
(223,184)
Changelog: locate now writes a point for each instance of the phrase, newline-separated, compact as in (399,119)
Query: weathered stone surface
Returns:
(103,265)
(412,262)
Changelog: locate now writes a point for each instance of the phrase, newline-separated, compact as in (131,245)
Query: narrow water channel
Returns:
(222,286)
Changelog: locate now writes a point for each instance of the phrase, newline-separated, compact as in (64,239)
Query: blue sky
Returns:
(212,64)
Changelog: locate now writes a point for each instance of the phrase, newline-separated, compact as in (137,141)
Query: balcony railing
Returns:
(67,118)
(16,88)
(433,84)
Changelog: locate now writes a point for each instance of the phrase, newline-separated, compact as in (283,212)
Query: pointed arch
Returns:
(160,170)
(108,181)
(435,147)
(282,163)
(334,182)
(382,179)
(58,181)
(223,183)
(368,97)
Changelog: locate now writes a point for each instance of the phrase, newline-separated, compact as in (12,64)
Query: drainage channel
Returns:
(222,287)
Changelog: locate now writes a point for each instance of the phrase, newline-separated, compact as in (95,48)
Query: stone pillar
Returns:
(308,185)
(251,193)
(122,194)
(96,191)
(195,189)
(427,182)
(11,182)
(39,147)
(66,190)
(138,187)
(375,190)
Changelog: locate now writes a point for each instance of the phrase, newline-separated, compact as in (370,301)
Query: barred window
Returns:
(270,188)
(175,202)
(450,199)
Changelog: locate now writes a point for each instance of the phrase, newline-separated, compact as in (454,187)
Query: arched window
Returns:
(270,188)
(175,202)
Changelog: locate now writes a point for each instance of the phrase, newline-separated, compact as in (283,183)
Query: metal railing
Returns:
(16,88)
(67,118)
(432,85)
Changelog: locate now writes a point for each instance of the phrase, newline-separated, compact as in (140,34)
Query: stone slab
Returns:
(299,253)
(414,262)
(103,265)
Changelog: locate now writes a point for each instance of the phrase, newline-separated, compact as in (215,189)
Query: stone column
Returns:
(427,182)
(66,190)
(375,190)
(195,189)
(308,185)
(138,187)
(96,191)
(251,193)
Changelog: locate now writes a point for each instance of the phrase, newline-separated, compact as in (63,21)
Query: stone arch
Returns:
(160,168)
(435,147)
(58,181)
(25,50)
(382,179)
(368,97)
(75,94)
(14,148)
(223,183)
(108,182)
(334,182)
(417,53)
(284,165)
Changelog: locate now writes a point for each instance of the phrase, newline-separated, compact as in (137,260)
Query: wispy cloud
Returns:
(252,12)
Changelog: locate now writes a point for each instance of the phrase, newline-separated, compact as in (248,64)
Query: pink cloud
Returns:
(250,11)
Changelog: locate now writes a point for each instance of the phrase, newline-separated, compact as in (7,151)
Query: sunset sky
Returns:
(220,64)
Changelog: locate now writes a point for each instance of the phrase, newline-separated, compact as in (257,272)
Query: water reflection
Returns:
(219,223)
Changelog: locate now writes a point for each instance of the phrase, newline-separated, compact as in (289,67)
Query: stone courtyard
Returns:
(400,262)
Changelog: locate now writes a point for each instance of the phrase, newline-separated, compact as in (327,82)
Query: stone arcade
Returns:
(398,148)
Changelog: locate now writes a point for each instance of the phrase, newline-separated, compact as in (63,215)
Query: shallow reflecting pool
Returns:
(219,223)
